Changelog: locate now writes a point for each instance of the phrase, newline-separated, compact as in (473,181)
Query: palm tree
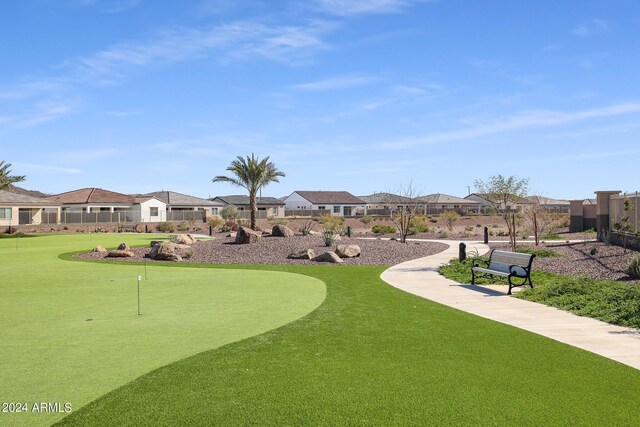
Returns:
(253,174)
(5,175)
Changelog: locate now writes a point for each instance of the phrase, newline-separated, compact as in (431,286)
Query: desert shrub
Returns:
(306,227)
(478,225)
(229,213)
(183,226)
(366,219)
(551,236)
(331,222)
(229,226)
(502,233)
(383,229)
(451,217)
(593,251)
(188,254)
(165,227)
(540,253)
(279,221)
(590,231)
(633,268)
(468,229)
(494,226)
(433,220)
(443,234)
(329,237)
(215,222)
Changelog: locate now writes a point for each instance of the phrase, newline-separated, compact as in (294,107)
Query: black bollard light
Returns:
(486,235)
(348,231)
(210,231)
(462,253)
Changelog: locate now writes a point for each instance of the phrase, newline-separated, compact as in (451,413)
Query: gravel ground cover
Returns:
(274,250)
(608,262)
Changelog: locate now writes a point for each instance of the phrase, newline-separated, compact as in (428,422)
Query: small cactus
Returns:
(633,269)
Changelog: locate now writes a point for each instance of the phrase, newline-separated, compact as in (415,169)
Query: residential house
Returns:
(436,203)
(553,205)
(339,203)
(384,203)
(487,203)
(89,205)
(267,206)
(182,206)
(16,209)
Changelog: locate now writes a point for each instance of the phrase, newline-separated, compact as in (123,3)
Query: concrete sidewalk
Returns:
(421,277)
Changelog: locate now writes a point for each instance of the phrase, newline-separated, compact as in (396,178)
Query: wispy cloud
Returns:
(45,111)
(357,7)
(120,6)
(521,121)
(240,40)
(32,167)
(339,82)
(595,26)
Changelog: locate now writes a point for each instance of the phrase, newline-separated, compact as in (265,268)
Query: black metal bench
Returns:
(505,264)
(128,227)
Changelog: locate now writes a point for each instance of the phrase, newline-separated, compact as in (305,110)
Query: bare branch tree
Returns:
(537,218)
(502,194)
(404,213)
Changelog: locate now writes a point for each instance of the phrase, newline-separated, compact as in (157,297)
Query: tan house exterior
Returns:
(267,206)
(17,209)
(94,205)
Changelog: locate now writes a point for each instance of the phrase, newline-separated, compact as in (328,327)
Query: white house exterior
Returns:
(182,206)
(150,209)
(339,203)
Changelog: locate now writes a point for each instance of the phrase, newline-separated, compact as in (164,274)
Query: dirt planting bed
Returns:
(595,260)
(274,250)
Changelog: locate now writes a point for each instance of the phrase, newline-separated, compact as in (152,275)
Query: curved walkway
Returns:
(421,277)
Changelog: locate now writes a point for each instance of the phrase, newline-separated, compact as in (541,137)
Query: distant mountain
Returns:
(25,192)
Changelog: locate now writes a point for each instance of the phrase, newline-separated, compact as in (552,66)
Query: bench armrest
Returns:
(476,262)
(513,273)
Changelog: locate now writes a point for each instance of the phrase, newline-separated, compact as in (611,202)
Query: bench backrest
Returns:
(502,260)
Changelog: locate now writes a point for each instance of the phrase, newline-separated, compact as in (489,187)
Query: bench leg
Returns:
(473,277)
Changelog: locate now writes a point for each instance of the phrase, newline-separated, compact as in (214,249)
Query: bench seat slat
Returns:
(489,271)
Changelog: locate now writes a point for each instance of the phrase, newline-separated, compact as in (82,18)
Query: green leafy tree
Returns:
(252,174)
(503,193)
(6,179)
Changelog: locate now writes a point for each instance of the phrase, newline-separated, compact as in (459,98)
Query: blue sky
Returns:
(139,95)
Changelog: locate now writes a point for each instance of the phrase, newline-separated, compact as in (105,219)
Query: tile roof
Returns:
(19,190)
(240,200)
(92,195)
(445,199)
(331,197)
(8,198)
(546,200)
(172,198)
(383,198)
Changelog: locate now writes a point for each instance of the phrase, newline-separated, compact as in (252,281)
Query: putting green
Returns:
(70,330)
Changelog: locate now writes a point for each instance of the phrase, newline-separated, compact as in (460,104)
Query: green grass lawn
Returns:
(369,355)
(70,330)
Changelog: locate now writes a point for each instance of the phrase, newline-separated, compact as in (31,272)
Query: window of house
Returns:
(322,208)
(5,213)
(214,211)
(153,211)
(336,209)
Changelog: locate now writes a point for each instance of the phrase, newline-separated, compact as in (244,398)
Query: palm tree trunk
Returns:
(253,206)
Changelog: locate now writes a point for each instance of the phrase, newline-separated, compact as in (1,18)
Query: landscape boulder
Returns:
(328,256)
(279,230)
(185,239)
(232,234)
(304,254)
(99,248)
(348,251)
(166,251)
(247,235)
(123,247)
(120,253)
